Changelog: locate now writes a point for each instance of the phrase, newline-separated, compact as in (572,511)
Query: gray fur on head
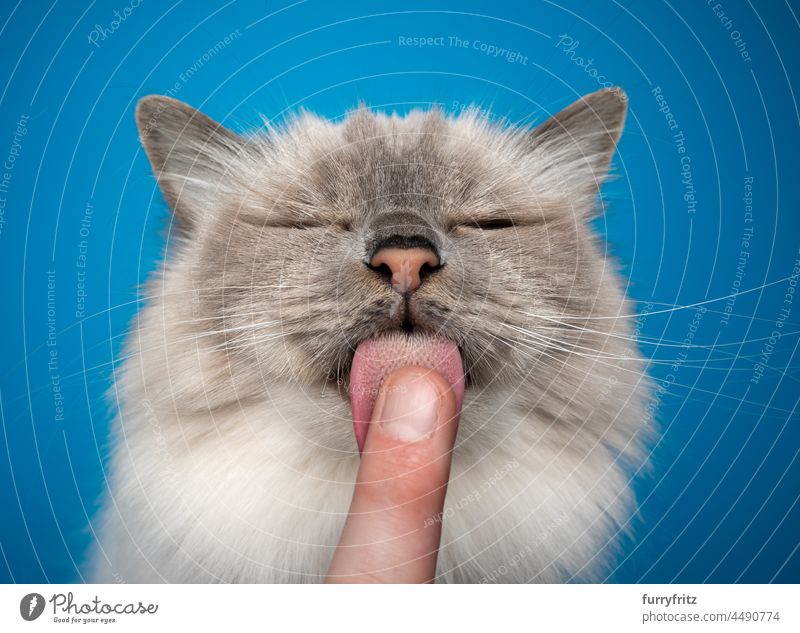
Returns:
(242,355)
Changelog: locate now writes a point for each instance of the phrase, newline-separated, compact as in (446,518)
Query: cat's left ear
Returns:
(193,156)
(579,142)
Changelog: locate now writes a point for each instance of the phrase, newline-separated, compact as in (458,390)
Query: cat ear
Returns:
(579,141)
(190,153)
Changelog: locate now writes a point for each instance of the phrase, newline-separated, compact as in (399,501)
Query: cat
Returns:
(233,456)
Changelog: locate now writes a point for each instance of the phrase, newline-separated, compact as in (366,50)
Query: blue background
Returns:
(721,504)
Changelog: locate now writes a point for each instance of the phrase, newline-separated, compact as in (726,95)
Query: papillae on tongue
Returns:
(376,358)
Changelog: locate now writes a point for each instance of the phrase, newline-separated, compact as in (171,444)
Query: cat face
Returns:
(309,239)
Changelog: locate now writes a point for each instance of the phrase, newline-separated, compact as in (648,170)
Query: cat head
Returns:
(308,238)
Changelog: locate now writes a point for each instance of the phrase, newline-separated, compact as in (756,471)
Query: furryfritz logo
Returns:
(31,606)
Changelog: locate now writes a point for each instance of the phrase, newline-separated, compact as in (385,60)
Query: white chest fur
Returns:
(256,497)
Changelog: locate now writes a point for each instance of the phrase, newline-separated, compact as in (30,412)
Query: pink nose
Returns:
(406,265)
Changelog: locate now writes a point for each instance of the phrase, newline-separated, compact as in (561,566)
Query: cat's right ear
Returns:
(191,155)
(579,142)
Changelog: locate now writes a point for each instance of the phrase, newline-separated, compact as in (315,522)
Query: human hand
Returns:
(401,483)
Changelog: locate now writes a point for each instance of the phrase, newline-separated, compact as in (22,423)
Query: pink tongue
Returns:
(376,358)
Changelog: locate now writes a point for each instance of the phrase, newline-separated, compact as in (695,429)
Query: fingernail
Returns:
(408,407)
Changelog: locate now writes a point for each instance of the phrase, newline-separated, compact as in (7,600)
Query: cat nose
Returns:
(404,268)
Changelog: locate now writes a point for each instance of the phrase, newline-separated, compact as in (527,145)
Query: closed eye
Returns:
(494,225)
(311,224)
